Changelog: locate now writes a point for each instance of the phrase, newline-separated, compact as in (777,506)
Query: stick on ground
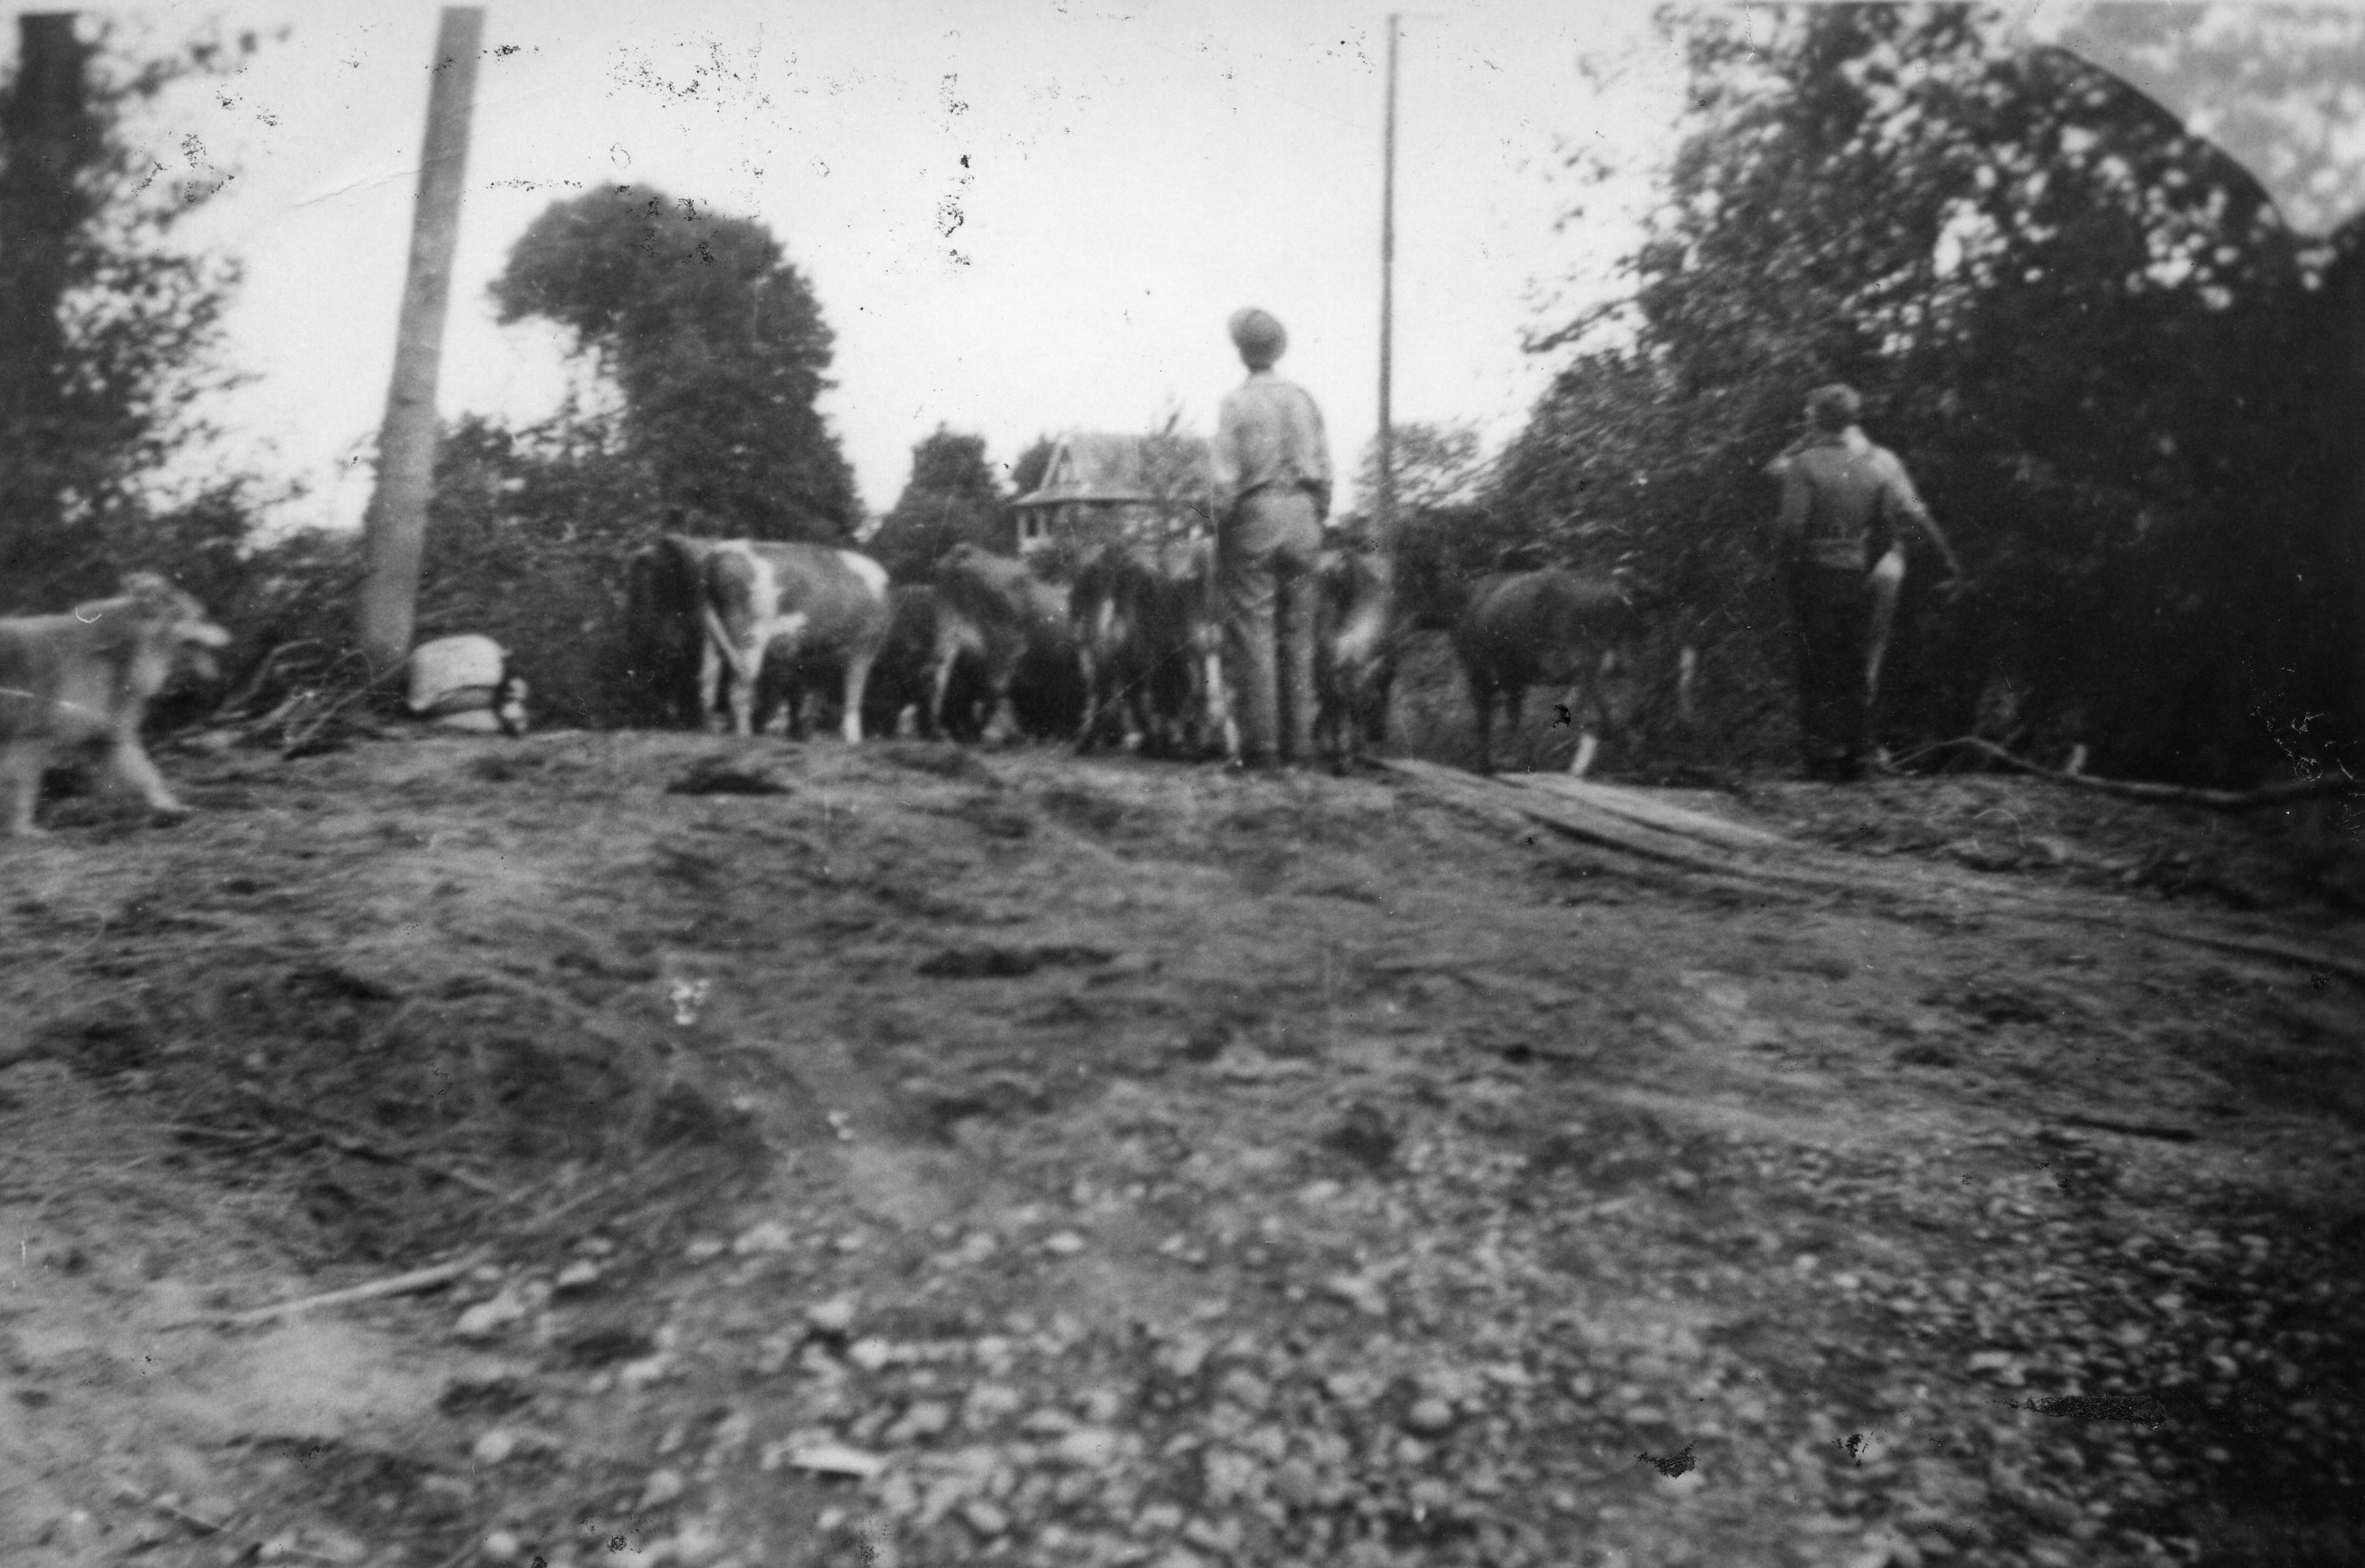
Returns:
(400,1284)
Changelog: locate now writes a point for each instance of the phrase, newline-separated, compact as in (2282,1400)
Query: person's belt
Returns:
(1309,485)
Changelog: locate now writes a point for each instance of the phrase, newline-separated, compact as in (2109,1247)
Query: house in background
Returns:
(1099,488)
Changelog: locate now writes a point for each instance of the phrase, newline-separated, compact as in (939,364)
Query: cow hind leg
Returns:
(709,683)
(858,675)
(1482,706)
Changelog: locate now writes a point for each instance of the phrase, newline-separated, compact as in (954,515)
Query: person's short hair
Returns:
(1258,336)
(1835,407)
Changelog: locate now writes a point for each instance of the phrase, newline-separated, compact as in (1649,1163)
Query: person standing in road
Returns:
(1272,490)
(1843,500)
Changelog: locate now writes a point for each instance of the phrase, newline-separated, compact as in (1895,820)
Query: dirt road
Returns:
(915,1156)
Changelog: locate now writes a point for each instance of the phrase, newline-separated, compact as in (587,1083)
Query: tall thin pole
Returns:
(1387,497)
(395,527)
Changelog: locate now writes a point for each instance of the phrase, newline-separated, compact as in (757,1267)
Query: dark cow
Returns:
(665,632)
(1014,613)
(1047,693)
(922,634)
(1148,638)
(1560,628)
(1129,643)
(81,682)
(801,608)
(1356,646)
(1188,565)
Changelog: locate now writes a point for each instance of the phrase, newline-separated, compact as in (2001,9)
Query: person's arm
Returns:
(1905,501)
(1317,459)
(1227,459)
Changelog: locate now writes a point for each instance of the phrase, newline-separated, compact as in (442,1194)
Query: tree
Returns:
(528,537)
(1446,533)
(2077,322)
(951,498)
(1027,474)
(716,343)
(110,337)
(1433,464)
(1176,476)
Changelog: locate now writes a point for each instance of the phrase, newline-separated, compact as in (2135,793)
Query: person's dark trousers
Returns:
(1829,611)
(1265,553)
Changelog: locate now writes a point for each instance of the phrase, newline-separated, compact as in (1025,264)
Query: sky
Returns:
(1019,216)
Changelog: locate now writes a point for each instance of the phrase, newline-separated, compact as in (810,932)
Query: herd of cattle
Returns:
(1130,653)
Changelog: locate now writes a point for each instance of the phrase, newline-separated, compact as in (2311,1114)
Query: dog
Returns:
(81,683)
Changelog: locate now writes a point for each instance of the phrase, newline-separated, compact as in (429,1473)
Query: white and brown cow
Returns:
(81,682)
(799,605)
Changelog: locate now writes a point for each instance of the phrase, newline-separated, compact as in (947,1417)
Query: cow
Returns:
(1356,645)
(1047,691)
(800,606)
(922,634)
(1148,640)
(81,682)
(1189,565)
(665,635)
(1524,629)
(1118,607)
(1014,613)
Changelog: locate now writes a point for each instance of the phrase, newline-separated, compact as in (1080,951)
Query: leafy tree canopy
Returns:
(1433,464)
(951,498)
(716,343)
(1027,474)
(110,335)
(2085,329)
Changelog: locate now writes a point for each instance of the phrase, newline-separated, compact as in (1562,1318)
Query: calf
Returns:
(1148,640)
(664,632)
(922,634)
(1188,565)
(1117,607)
(1355,650)
(81,682)
(803,606)
(1047,690)
(1524,629)
(1014,613)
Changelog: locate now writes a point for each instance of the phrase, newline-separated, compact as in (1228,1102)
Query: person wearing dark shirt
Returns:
(1272,490)
(1843,501)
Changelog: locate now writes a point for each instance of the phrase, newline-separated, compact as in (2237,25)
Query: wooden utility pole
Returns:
(1387,497)
(395,523)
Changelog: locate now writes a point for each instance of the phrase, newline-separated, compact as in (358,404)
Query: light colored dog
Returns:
(81,682)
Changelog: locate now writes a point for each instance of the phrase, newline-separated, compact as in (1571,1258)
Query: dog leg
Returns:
(130,767)
(20,789)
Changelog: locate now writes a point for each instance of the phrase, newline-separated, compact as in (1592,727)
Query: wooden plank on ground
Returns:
(1803,868)
(1647,809)
(1579,818)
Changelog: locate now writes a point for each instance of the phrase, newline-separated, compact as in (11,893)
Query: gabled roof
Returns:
(1098,466)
